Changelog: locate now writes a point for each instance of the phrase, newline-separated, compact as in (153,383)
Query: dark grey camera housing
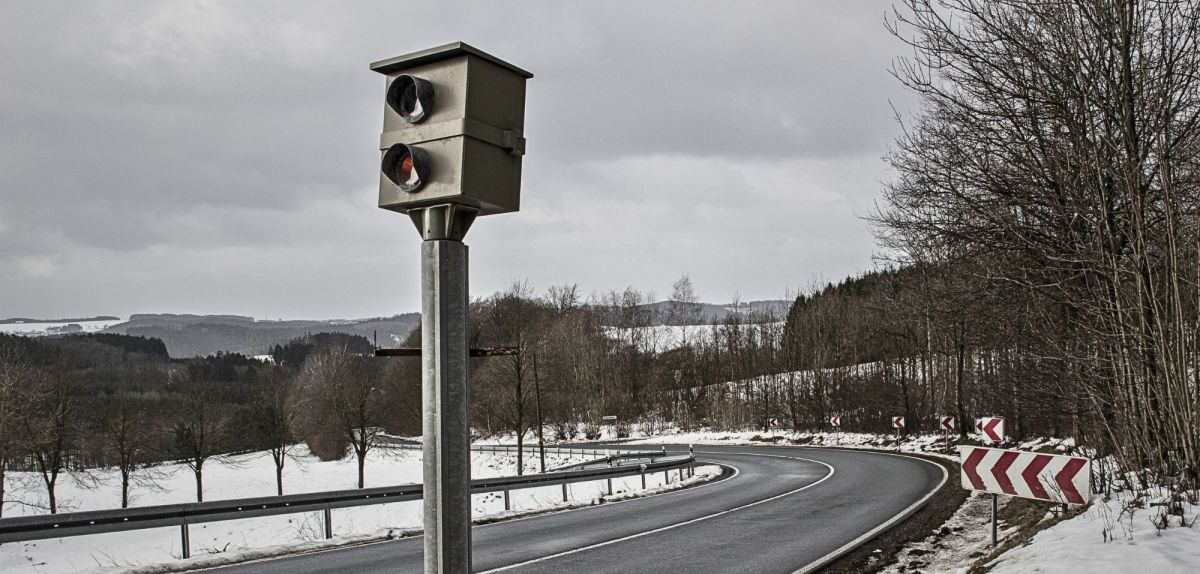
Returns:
(461,114)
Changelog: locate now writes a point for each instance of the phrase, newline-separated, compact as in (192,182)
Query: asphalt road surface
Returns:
(784,509)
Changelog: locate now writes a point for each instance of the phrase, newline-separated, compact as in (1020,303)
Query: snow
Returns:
(1101,539)
(156,550)
(929,444)
(1105,540)
(44,329)
(954,546)
(662,338)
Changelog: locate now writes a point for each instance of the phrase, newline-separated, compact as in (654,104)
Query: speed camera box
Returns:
(452,130)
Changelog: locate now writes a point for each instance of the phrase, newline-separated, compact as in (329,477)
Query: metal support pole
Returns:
(507,502)
(445,392)
(995,528)
(643,481)
(328,523)
(564,492)
(185,541)
(610,490)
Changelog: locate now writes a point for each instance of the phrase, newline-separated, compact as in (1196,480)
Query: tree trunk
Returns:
(3,472)
(537,397)
(279,462)
(124,486)
(958,389)
(50,478)
(362,462)
(199,482)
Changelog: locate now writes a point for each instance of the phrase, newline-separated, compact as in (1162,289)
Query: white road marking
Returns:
(684,523)
(826,559)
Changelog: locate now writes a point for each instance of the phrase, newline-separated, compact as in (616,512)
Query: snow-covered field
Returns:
(43,329)
(253,475)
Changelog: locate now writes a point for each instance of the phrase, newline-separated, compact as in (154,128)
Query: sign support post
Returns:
(995,528)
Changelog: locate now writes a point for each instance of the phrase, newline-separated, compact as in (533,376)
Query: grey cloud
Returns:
(161,149)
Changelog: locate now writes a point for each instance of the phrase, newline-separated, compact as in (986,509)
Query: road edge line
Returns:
(832,471)
(872,533)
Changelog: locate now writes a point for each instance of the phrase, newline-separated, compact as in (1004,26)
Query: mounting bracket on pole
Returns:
(448,221)
(484,352)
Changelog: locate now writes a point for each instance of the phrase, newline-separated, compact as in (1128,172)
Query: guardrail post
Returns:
(564,492)
(610,489)
(328,523)
(667,477)
(643,481)
(185,540)
(507,503)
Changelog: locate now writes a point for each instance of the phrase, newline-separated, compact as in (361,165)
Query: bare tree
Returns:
(16,374)
(130,436)
(198,424)
(512,318)
(341,395)
(1056,149)
(274,416)
(53,426)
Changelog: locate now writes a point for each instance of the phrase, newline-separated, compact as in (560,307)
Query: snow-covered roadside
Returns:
(253,475)
(1117,536)
(928,444)
(702,474)
(1103,539)
(953,547)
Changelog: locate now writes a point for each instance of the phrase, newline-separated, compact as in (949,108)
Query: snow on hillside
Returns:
(44,329)
(663,338)
(253,475)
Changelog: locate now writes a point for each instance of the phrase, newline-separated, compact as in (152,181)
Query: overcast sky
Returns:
(221,157)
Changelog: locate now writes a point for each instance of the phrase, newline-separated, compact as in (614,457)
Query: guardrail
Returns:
(100,521)
(529,449)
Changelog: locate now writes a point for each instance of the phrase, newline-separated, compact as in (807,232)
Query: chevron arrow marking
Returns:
(969,468)
(1000,471)
(1025,474)
(989,429)
(1031,472)
(1065,480)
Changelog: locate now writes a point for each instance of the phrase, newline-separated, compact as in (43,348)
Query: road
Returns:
(785,508)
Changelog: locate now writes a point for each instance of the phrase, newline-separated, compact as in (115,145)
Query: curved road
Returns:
(785,508)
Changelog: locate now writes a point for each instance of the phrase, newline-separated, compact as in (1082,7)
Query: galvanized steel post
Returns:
(446,451)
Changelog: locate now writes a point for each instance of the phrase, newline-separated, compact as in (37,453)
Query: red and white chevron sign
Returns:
(992,429)
(947,423)
(1052,477)
(835,421)
(897,422)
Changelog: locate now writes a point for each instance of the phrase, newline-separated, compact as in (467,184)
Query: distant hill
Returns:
(39,321)
(202,335)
